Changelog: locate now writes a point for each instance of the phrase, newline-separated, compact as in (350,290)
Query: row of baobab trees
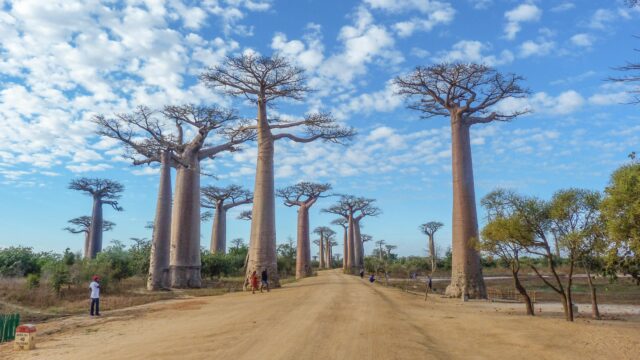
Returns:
(181,136)
(350,209)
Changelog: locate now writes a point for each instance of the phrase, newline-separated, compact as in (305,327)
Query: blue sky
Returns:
(63,61)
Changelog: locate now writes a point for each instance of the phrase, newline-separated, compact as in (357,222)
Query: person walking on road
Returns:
(254,282)
(361,273)
(95,295)
(265,280)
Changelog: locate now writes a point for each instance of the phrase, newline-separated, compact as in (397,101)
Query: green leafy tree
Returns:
(506,236)
(621,210)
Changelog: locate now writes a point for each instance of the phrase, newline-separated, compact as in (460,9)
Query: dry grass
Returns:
(42,303)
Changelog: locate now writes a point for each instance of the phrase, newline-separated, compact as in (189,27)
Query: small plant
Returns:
(33,281)
(59,276)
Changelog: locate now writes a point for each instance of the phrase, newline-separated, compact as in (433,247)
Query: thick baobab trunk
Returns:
(303,252)
(262,246)
(595,312)
(86,245)
(219,230)
(322,257)
(432,254)
(184,268)
(95,231)
(161,243)
(350,252)
(359,248)
(344,249)
(466,272)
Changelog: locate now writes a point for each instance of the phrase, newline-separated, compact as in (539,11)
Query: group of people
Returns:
(264,281)
(372,278)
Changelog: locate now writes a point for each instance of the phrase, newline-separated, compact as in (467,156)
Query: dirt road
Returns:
(331,316)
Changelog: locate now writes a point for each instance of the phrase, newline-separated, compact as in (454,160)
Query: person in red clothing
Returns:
(254,282)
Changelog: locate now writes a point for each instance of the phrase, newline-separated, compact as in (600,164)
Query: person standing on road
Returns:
(265,280)
(361,273)
(95,295)
(254,282)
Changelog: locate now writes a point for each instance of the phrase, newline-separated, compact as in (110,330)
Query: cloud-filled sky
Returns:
(64,61)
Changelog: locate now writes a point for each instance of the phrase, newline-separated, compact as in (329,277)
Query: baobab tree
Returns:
(468,94)
(263,80)
(325,234)
(430,229)
(82,225)
(366,208)
(303,195)
(330,242)
(380,244)
(102,191)
(344,224)
(346,208)
(221,200)
(148,140)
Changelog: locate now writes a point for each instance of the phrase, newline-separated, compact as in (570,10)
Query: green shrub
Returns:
(33,281)
(58,275)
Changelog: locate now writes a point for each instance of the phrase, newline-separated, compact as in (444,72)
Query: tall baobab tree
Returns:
(325,234)
(263,80)
(185,155)
(380,244)
(468,94)
(330,242)
(366,208)
(430,229)
(303,195)
(102,191)
(82,224)
(221,200)
(344,224)
(346,208)
(146,142)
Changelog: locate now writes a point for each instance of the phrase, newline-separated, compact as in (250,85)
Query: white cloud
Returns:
(543,103)
(67,60)
(610,98)
(433,13)
(481,4)
(603,18)
(520,14)
(565,6)
(419,52)
(363,42)
(473,51)
(385,100)
(309,55)
(532,48)
(582,40)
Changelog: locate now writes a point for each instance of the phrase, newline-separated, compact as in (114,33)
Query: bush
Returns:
(20,261)
(58,276)
(216,264)
(118,260)
(33,281)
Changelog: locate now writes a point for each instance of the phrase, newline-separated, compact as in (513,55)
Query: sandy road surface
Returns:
(331,316)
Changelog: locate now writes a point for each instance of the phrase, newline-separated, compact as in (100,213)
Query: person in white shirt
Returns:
(95,295)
